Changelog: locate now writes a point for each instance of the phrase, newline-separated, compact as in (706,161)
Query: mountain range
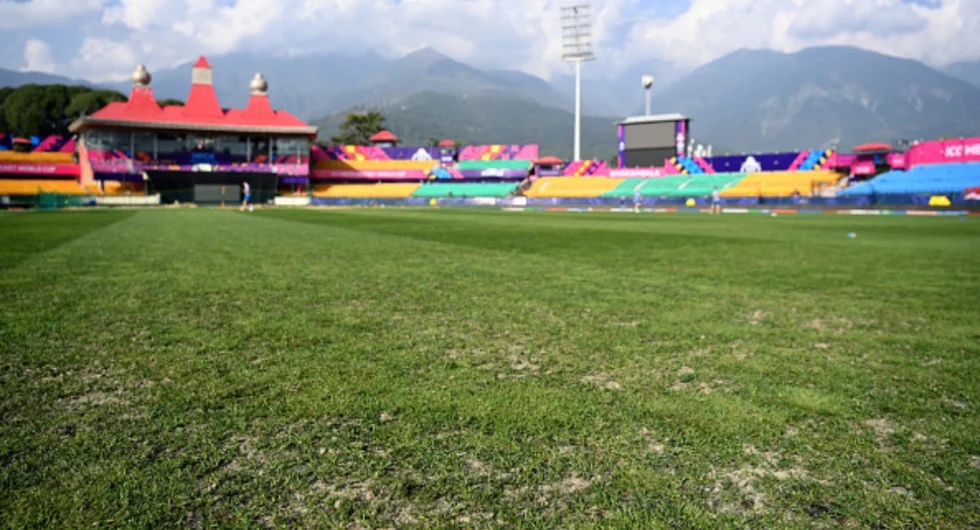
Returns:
(749,100)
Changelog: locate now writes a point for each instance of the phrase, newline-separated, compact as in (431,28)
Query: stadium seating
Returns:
(465,190)
(463,165)
(112,189)
(625,188)
(585,168)
(36,157)
(923,179)
(365,191)
(704,183)
(33,187)
(816,159)
(572,187)
(780,183)
(661,187)
(686,165)
(375,165)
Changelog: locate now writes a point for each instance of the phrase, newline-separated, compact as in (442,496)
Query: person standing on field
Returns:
(247,201)
(715,201)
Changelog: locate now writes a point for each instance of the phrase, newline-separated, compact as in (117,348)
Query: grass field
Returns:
(453,368)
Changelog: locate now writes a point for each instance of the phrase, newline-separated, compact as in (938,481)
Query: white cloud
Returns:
(19,15)
(710,28)
(134,14)
(37,57)
(521,34)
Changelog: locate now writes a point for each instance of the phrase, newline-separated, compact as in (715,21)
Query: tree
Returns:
(40,110)
(171,102)
(89,102)
(359,127)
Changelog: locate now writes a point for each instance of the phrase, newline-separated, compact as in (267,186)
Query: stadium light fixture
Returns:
(647,85)
(576,36)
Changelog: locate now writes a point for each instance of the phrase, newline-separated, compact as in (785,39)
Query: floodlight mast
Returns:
(647,81)
(576,36)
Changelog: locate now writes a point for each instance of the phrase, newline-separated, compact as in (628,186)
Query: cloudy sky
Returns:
(104,39)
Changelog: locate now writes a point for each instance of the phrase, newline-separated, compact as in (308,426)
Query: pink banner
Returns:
(40,169)
(636,173)
(945,152)
(380,174)
(864,167)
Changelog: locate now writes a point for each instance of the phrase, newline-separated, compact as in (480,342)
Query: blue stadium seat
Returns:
(924,179)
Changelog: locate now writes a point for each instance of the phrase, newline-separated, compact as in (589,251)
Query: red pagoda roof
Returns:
(201,112)
(447,143)
(383,136)
(548,161)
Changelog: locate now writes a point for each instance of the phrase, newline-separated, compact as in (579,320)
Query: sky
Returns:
(102,40)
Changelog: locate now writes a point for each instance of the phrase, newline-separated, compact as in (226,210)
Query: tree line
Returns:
(42,110)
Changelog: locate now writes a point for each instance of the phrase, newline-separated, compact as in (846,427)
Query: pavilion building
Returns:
(198,152)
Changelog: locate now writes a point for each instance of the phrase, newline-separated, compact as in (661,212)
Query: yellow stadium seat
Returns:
(375,165)
(365,191)
(571,187)
(781,183)
(35,158)
(33,187)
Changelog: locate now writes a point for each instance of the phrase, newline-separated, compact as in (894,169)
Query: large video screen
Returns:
(648,135)
(648,157)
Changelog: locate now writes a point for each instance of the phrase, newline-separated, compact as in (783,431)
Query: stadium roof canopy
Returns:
(654,118)
(383,136)
(202,112)
(872,147)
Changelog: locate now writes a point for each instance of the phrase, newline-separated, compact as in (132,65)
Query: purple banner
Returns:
(621,134)
(680,128)
(294,180)
(752,163)
(118,162)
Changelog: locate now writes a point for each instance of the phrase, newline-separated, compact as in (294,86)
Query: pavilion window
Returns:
(259,150)
(144,146)
(169,145)
(235,148)
(200,143)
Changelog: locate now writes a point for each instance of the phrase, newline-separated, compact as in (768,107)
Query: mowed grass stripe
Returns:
(24,234)
(366,366)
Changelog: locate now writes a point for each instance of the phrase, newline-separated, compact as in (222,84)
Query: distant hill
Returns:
(618,94)
(318,85)
(745,101)
(819,97)
(968,71)
(11,78)
(488,119)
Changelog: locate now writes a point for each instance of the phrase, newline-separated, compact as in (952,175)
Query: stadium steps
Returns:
(686,166)
(802,157)
(704,165)
(816,159)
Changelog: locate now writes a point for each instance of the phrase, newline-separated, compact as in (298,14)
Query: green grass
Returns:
(453,368)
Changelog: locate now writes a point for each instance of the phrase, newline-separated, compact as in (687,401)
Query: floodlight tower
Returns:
(647,85)
(576,36)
